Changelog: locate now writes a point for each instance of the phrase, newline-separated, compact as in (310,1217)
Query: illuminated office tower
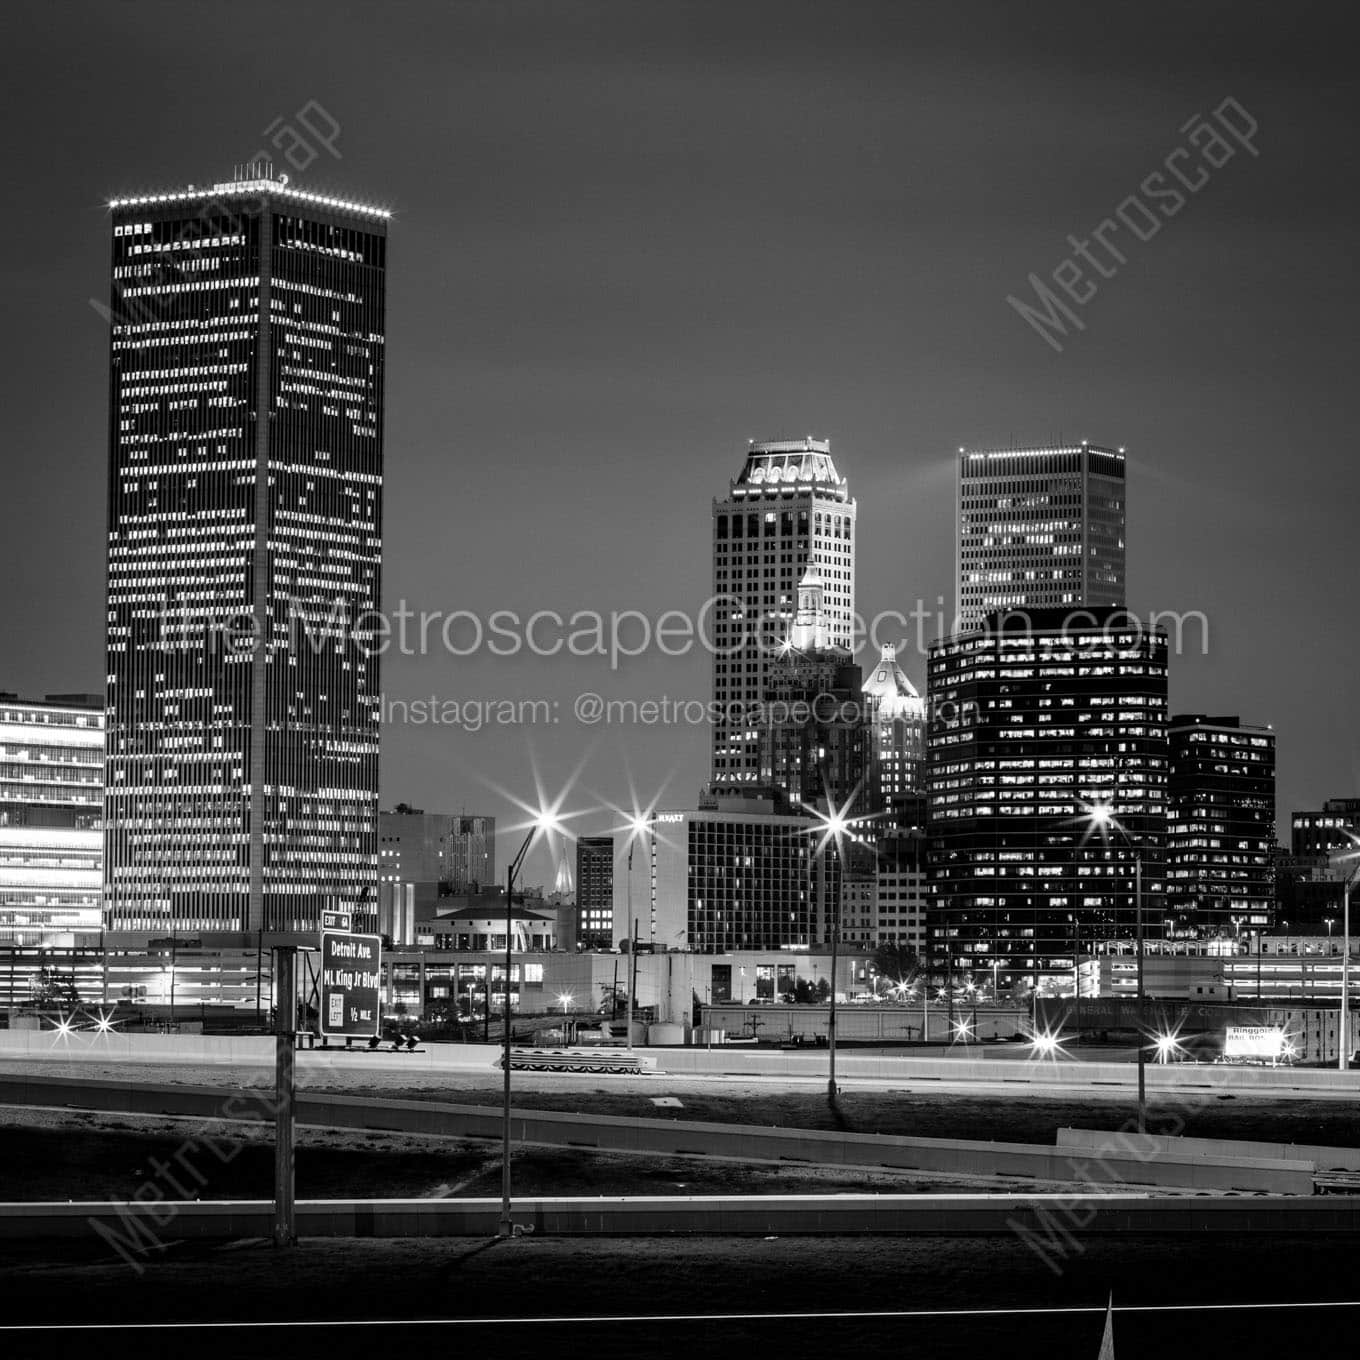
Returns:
(51,808)
(787,510)
(1031,722)
(1220,828)
(244,552)
(1039,528)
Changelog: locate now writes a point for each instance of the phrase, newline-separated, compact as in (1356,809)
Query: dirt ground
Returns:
(74,1155)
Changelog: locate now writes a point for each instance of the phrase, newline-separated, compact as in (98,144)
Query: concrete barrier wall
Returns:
(991,1066)
(1116,1167)
(85,1046)
(133,1229)
(988,1065)
(1323,1158)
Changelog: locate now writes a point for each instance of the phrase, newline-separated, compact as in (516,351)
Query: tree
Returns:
(613,998)
(896,962)
(53,991)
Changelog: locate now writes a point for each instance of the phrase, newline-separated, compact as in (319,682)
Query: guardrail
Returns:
(599,1060)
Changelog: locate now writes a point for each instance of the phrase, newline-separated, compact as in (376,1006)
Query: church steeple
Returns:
(810,632)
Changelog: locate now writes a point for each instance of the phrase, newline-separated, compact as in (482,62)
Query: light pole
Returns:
(544,822)
(1343,1028)
(639,825)
(1103,817)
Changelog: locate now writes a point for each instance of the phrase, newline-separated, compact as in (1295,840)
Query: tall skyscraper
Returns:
(1220,826)
(244,553)
(1032,720)
(1039,527)
(51,810)
(787,510)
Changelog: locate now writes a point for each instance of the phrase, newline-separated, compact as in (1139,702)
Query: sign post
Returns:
(285,1059)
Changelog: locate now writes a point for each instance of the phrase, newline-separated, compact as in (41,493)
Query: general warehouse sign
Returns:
(351,967)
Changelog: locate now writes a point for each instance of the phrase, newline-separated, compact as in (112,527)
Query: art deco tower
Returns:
(787,510)
(244,551)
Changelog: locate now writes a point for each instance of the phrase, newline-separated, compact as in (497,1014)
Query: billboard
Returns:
(350,973)
(1254,1041)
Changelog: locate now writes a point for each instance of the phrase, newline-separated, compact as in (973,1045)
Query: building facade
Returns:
(244,554)
(1039,528)
(816,740)
(51,816)
(727,878)
(897,718)
(1220,826)
(787,510)
(595,892)
(1328,829)
(1035,721)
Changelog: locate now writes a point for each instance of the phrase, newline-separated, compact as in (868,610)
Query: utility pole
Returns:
(285,1058)
(632,983)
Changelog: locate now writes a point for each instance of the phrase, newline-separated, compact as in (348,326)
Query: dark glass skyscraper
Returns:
(244,555)
(1034,719)
(1220,827)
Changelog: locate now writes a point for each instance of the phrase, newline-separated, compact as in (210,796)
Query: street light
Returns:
(833,825)
(1343,1028)
(639,824)
(1103,818)
(546,820)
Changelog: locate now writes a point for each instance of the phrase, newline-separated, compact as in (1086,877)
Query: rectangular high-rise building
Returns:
(595,892)
(244,554)
(787,510)
(1039,528)
(738,876)
(1033,721)
(51,810)
(1220,827)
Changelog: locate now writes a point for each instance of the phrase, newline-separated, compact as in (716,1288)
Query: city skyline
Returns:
(1170,368)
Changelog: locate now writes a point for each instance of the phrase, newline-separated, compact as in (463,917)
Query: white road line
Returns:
(885,1314)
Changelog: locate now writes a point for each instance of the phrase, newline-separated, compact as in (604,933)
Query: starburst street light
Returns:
(546,819)
(1100,817)
(1168,1045)
(1047,1043)
(833,827)
(639,824)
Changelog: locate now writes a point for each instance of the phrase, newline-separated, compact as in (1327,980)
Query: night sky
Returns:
(628,237)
